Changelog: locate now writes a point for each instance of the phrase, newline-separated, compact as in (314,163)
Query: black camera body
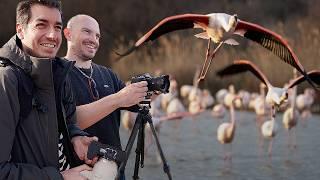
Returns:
(160,84)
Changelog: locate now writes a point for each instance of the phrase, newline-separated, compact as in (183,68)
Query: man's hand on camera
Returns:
(80,145)
(132,94)
(74,173)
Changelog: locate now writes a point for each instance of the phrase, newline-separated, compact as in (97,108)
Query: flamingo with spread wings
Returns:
(275,95)
(220,28)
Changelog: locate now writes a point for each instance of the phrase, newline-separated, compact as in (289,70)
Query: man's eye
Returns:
(40,26)
(58,28)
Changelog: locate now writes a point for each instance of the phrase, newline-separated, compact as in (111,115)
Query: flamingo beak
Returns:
(235,17)
(284,97)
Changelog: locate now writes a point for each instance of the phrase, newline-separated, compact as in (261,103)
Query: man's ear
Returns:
(20,31)
(67,33)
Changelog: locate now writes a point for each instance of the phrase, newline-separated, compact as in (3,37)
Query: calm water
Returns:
(192,151)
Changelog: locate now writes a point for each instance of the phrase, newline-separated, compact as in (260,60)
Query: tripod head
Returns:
(146,103)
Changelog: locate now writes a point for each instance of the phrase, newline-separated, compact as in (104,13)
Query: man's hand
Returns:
(74,173)
(80,145)
(132,94)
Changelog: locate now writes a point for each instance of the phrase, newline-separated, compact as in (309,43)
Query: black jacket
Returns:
(30,145)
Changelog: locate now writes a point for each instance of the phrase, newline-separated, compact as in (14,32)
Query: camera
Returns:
(155,84)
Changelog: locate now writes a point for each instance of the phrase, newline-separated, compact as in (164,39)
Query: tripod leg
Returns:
(130,143)
(139,151)
(166,168)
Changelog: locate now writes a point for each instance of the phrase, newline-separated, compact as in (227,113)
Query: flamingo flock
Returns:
(275,96)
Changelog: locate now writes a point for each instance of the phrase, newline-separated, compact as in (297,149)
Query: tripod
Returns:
(142,118)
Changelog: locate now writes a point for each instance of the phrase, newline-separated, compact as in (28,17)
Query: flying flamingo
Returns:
(220,28)
(225,133)
(275,96)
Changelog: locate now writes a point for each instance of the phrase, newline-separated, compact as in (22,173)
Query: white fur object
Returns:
(102,170)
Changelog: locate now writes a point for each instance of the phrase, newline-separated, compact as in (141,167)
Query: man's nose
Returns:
(52,34)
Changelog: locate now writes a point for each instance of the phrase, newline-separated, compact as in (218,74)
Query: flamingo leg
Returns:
(207,63)
(206,60)
(289,140)
(273,115)
(304,117)
(294,138)
(230,155)
(259,120)
(288,143)
(225,153)
(270,148)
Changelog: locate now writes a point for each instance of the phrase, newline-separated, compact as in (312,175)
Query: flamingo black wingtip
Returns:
(220,74)
(129,51)
(312,83)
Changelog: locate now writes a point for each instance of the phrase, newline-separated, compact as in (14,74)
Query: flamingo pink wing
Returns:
(172,23)
(169,24)
(271,41)
(240,66)
(314,75)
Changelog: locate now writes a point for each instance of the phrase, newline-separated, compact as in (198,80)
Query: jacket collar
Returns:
(12,51)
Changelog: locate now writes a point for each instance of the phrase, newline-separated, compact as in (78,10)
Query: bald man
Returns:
(98,91)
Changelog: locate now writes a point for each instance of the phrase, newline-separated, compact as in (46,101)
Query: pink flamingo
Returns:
(291,115)
(226,130)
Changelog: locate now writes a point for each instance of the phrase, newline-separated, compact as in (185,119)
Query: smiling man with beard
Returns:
(98,91)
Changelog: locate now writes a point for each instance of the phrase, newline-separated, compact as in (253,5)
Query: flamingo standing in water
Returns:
(269,129)
(290,116)
(220,28)
(275,96)
(304,102)
(225,133)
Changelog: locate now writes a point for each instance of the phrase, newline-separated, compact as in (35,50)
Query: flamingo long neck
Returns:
(262,91)
(263,95)
(232,115)
(196,77)
(273,117)
(294,95)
